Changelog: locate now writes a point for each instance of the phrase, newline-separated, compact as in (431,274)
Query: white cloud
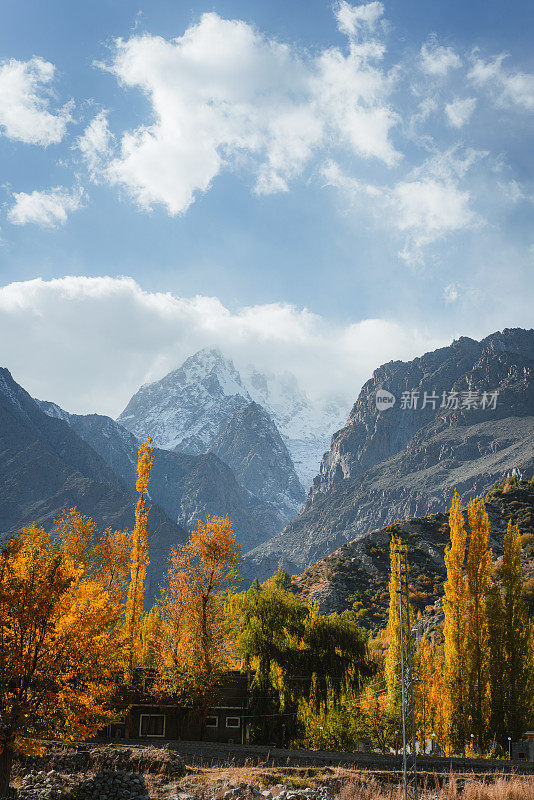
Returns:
(450,293)
(95,144)
(25,93)
(47,209)
(81,358)
(424,208)
(226,97)
(438,60)
(459,111)
(508,88)
(352,20)
(428,209)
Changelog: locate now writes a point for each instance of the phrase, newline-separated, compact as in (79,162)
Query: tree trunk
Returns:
(6,760)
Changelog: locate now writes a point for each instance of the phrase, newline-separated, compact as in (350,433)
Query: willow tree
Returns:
(139,555)
(478,656)
(454,628)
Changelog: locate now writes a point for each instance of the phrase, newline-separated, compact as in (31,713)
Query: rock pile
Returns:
(278,792)
(112,785)
(40,786)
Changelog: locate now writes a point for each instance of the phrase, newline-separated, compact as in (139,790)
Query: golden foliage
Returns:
(139,554)
(454,629)
(478,571)
(58,640)
(197,633)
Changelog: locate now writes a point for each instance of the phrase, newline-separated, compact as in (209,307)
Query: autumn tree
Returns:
(512,667)
(454,629)
(440,702)
(423,699)
(150,638)
(478,571)
(105,556)
(58,640)
(197,630)
(139,555)
(392,667)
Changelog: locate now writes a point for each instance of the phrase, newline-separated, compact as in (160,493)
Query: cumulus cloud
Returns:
(64,340)
(25,94)
(48,209)
(507,87)
(224,97)
(438,60)
(459,111)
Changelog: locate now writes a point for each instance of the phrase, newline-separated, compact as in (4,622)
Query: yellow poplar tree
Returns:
(392,661)
(512,683)
(150,633)
(439,698)
(478,653)
(139,554)
(423,700)
(454,629)
(392,667)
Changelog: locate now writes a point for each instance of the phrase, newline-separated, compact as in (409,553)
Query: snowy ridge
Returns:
(187,409)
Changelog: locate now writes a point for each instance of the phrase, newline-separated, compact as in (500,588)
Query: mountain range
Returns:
(461,416)
(46,468)
(186,487)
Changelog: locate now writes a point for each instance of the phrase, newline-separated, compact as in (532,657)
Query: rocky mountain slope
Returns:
(359,570)
(188,408)
(252,446)
(45,468)
(187,487)
(405,460)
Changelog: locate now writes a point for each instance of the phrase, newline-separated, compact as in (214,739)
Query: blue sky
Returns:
(305,184)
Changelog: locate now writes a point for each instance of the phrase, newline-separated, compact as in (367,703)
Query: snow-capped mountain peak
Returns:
(187,409)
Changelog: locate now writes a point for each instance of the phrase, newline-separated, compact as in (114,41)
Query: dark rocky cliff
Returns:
(252,446)
(399,463)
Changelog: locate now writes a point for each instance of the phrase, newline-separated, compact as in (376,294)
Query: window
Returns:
(233,722)
(152,725)
(212,722)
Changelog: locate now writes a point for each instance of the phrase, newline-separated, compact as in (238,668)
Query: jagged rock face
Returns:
(252,446)
(46,468)
(188,408)
(399,463)
(187,487)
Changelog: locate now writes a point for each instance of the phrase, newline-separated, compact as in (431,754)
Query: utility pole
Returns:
(409,756)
